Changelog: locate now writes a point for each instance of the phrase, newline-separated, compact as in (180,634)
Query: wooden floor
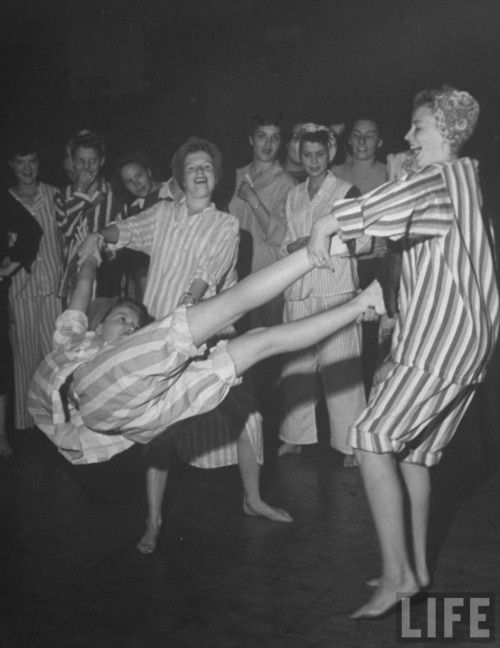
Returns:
(71,576)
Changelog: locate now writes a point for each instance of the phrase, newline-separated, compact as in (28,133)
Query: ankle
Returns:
(153,522)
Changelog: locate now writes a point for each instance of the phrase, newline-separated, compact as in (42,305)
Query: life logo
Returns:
(447,617)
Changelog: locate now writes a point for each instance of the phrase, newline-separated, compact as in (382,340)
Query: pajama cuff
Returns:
(223,364)
(181,336)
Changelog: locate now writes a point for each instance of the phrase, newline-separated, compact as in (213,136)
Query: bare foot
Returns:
(259,507)
(147,544)
(288,448)
(349,461)
(385,597)
(5,449)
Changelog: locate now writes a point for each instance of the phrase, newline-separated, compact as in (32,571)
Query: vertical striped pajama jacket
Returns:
(79,215)
(448,322)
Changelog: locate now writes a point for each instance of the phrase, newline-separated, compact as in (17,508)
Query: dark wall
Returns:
(151,73)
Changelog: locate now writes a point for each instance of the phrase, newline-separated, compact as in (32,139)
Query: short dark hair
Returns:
(133,157)
(363,117)
(22,146)
(144,317)
(193,145)
(87,139)
(317,137)
(266,119)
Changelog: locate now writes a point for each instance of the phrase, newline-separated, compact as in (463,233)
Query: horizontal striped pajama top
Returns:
(125,392)
(449,305)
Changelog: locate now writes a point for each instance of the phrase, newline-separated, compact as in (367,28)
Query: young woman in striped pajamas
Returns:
(20,236)
(336,361)
(444,335)
(33,300)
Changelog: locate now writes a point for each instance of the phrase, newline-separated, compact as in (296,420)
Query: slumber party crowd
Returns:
(141,311)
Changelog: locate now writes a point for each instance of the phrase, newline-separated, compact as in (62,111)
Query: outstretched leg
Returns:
(259,344)
(385,496)
(210,316)
(253,504)
(156,482)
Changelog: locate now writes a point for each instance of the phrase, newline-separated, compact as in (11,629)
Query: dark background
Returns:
(150,73)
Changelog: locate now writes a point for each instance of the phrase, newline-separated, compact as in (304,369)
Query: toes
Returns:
(281,515)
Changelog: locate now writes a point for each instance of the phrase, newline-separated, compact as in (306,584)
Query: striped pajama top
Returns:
(136,387)
(272,187)
(182,248)
(302,212)
(79,215)
(57,416)
(449,304)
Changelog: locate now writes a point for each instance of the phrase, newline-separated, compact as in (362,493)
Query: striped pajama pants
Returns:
(337,361)
(411,413)
(32,322)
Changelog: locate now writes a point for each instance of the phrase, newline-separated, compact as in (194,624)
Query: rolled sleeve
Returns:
(181,336)
(71,327)
(222,364)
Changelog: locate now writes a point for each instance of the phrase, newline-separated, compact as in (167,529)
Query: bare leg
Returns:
(259,344)
(385,496)
(250,473)
(5,449)
(212,315)
(418,485)
(156,482)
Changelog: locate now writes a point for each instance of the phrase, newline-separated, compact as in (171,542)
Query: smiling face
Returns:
(265,143)
(426,141)
(314,158)
(199,175)
(25,168)
(364,139)
(120,322)
(137,179)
